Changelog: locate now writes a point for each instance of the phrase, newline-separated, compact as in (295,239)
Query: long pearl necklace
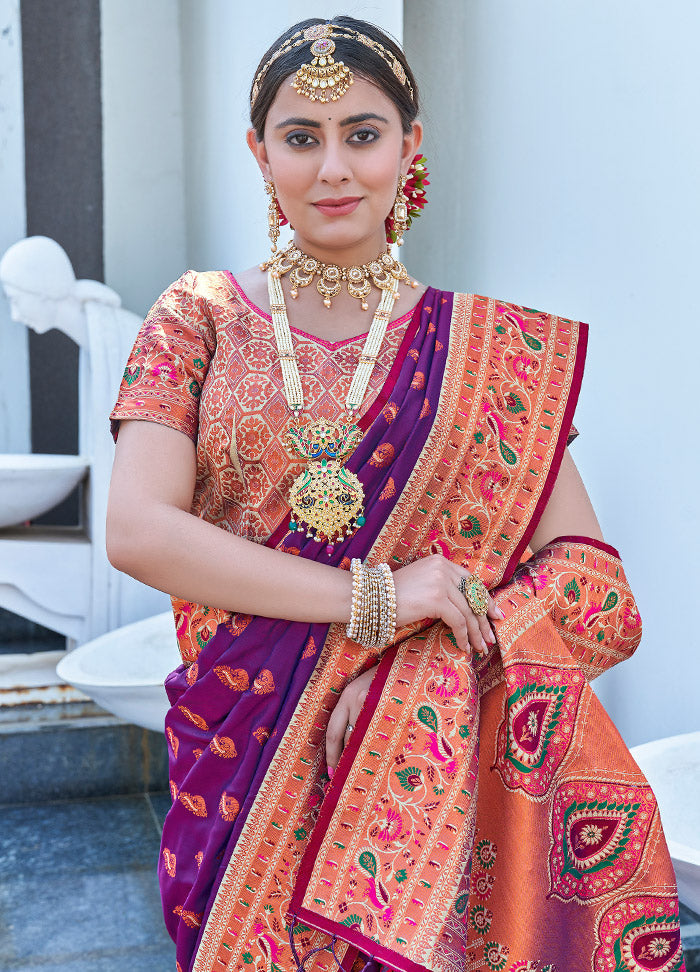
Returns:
(327,499)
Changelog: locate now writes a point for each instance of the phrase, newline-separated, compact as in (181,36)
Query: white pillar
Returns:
(143,164)
(14,354)
(222,44)
(564,154)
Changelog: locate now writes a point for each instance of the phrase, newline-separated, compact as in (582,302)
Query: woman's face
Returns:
(335,167)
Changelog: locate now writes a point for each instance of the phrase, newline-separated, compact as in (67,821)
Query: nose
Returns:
(335,166)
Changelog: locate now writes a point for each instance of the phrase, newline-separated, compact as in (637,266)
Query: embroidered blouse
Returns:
(205,363)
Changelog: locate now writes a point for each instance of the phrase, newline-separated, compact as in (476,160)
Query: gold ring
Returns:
(476,594)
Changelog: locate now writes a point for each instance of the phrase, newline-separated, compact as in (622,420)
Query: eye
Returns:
(299,139)
(364,136)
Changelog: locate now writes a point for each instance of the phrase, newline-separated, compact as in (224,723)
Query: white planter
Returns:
(124,670)
(672,766)
(33,484)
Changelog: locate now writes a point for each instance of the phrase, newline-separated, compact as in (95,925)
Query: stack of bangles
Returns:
(373,613)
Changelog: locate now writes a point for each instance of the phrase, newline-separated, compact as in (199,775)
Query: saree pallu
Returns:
(485,813)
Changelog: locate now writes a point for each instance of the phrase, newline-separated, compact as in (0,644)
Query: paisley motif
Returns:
(382,455)
(536,731)
(234,678)
(598,831)
(193,717)
(264,682)
(641,934)
(194,803)
(223,746)
(191,918)
(173,740)
(228,807)
(389,490)
(170,862)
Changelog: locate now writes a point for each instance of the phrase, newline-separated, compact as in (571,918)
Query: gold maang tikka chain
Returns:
(326,496)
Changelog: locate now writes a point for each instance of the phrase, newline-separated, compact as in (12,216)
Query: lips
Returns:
(338,207)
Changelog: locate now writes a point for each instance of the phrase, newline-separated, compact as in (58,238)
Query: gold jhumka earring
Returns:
(400,213)
(273,216)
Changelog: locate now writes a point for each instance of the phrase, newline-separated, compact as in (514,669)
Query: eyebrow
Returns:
(351,120)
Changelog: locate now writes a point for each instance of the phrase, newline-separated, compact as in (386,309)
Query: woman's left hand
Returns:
(344,717)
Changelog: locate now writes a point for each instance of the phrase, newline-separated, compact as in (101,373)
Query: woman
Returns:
(484,813)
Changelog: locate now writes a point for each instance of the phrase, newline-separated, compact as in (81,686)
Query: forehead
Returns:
(361,98)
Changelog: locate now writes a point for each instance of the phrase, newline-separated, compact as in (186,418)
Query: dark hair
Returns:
(357,56)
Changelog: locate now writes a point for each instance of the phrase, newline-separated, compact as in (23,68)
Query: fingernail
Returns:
(484,645)
(330,771)
(501,615)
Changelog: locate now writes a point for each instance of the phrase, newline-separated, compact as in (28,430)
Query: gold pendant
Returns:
(326,496)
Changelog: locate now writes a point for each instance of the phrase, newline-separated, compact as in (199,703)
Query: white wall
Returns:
(143,161)
(564,149)
(14,354)
(222,44)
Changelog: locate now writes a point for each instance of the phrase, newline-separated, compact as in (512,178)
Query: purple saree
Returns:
(226,722)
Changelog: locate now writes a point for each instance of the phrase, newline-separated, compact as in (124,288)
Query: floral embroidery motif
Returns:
(598,835)
(641,934)
(539,721)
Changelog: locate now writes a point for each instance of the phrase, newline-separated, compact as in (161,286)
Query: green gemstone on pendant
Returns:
(292,525)
(360,520)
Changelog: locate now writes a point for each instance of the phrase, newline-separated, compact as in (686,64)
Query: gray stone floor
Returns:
(78,887)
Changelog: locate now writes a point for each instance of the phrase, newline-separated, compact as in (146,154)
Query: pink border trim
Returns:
(350,935)
(377,405)
(567,420)
(589,542)
(331,345)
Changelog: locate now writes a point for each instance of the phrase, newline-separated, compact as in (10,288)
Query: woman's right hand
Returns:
(429,588)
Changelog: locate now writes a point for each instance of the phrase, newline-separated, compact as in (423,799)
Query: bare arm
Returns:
(569,511)
(152,536)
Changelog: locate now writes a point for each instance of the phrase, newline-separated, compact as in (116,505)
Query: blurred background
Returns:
(564,151)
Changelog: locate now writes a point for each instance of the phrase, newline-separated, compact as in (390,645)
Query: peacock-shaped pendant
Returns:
(326,498)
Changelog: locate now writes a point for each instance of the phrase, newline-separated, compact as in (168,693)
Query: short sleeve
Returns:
(168,364)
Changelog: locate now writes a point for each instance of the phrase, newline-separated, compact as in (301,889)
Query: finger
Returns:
(485,629)
(454,617)
(476,638)
(479,630)
(494,612)
(335,736)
